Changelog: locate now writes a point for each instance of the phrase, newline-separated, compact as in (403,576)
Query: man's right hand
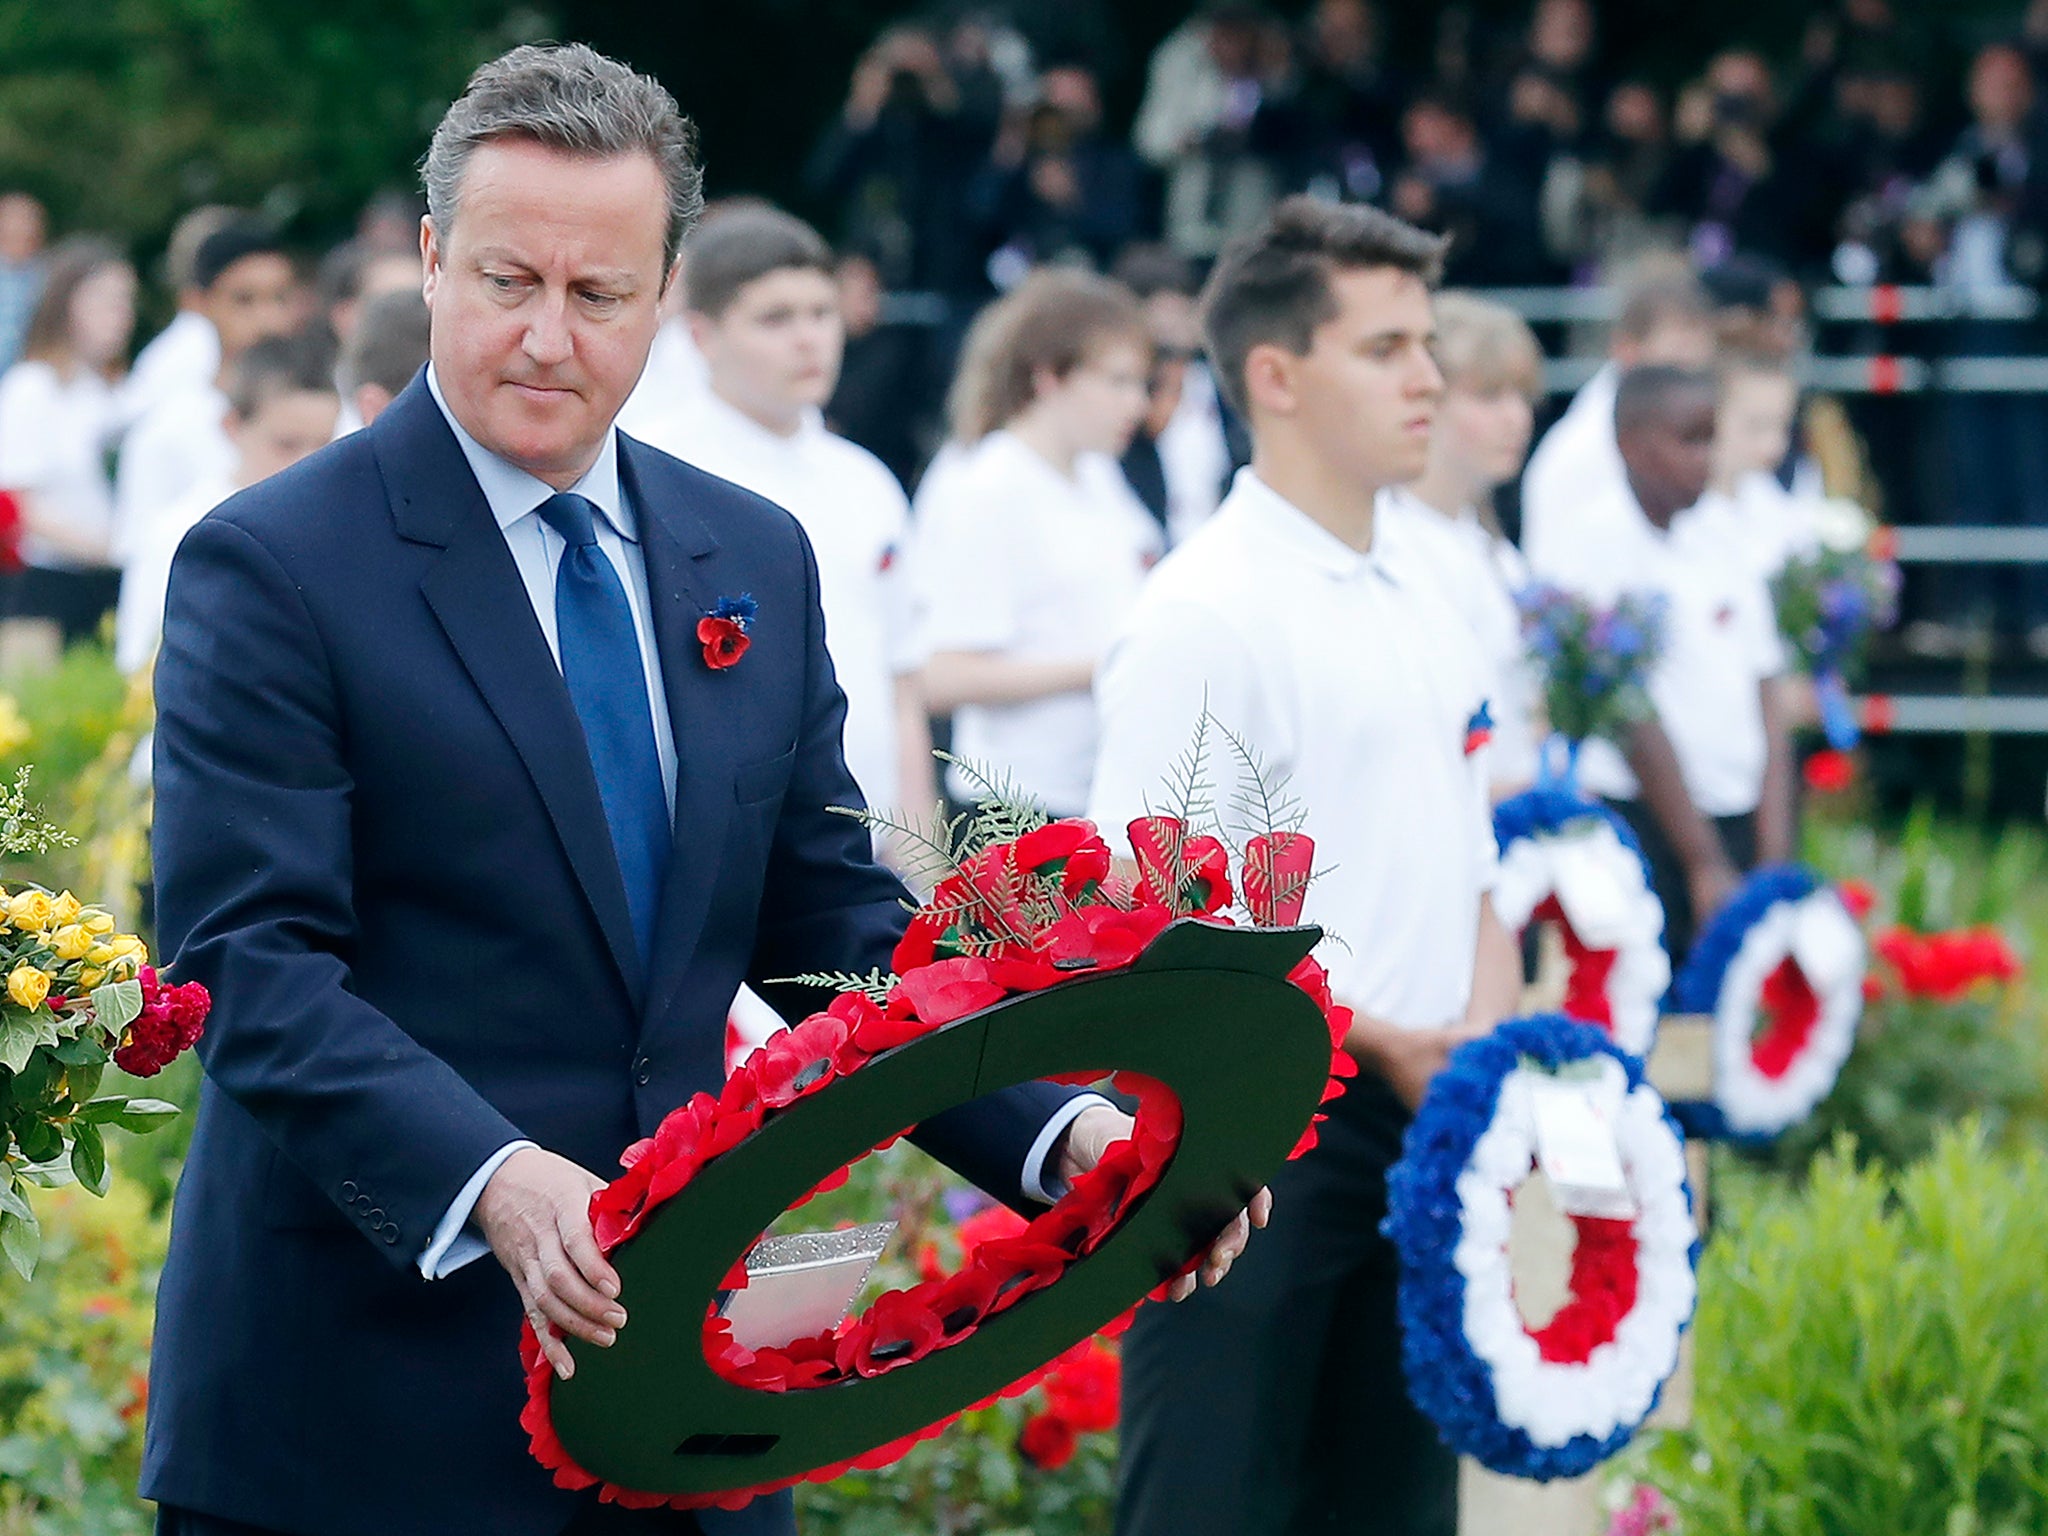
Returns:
(535,1214)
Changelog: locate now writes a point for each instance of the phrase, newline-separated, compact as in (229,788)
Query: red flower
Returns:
(947,990)
(10,533)
(1084,1386)
(1829,773)
(1072,849)
(800,1060)
(171,1022)
(724,640)
(1857,896)
(986,1225)
(1047,1441)
(1944,966)
(899,1328)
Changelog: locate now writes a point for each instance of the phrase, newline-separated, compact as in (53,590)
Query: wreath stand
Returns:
(1680,1068)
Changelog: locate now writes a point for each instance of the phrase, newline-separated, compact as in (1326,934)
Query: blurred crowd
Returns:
(970,159)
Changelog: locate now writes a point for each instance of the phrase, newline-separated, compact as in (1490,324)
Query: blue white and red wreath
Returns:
(1558,1400)
(1570,861)
(1780,969)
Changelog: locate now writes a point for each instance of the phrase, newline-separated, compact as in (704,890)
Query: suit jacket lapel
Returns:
(677,546)
(475,591)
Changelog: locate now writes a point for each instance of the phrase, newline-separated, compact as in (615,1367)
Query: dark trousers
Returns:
(1275,1404)
(1667,874)
(596,1520)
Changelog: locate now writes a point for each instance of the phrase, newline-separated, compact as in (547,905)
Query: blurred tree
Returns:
(121,114)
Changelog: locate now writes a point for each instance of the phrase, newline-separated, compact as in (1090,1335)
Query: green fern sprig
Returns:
(1261,801)
(1004,810)
(932,854)
(23,831)
(876,984)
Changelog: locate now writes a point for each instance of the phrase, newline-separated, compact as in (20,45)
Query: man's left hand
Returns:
(1095,1130)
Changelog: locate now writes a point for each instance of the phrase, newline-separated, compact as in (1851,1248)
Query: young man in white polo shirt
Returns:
(1707,781)
(763,308)
(1276,1404)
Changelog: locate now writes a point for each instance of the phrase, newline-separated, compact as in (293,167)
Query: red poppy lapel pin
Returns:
(723,631)
(1479,729)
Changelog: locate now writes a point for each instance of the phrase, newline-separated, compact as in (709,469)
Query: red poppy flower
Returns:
(800,1060)
(724,640)
(1829,773)
(986,1225)
(1072,849)
(947,990)
(1858,896)
(899,1328)
(1047,1441)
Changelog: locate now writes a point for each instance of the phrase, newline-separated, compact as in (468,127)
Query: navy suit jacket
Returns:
(379,842)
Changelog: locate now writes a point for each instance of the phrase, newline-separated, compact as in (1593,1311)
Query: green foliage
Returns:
(74,1356)
(1869,1353)
(125,113)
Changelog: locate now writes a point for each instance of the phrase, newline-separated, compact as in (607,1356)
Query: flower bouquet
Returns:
(1828,601)
(1033,959)
(79,993)
(1596,663)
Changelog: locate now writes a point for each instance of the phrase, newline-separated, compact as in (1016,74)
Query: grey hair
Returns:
(571,98)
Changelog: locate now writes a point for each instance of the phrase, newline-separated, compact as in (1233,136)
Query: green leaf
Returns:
(21,1240)
(84,1051)
(13,1202)
(102,1111)
(89,1158)
(81,1083)
(21,1032)
(41,1142)
(142,1116)
(117,1004)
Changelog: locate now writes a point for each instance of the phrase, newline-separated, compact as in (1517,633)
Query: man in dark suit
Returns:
(473,845)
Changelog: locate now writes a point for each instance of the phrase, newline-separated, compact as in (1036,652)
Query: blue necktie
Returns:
(601,664)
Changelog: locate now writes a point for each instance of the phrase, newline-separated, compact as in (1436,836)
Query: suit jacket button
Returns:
(376,1220)
(348,1189)
(643,1071)
(391,1233)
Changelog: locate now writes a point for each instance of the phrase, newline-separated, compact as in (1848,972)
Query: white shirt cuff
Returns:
(454,1245)
(1035,1182)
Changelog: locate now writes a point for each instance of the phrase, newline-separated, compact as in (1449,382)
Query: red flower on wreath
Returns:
(1072,849)
(1189,876)
(1829,773)
(723,631)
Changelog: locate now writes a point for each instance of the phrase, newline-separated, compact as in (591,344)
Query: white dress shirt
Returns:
(146,573)
(1356,683)
(515,497)
(1720,643)
(181,443)
(1574,471)
(53,442)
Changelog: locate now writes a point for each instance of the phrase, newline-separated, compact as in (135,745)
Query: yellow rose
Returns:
(31,911)
(66,909)
(28,986)
(94,920)
(72,942)
(91,976)
(100,954)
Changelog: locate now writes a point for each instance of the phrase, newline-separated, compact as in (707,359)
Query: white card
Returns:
(803,1284)
(1577,1149)
(1595,906)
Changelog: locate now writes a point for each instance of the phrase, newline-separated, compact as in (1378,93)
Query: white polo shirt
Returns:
(1357,684)
(1720,643)
(1576,467)
(1478,575)
(1015,558)
(1770,523)
(180,445)
(858,521)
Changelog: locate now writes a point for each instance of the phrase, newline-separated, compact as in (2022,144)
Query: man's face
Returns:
(1364,396)
(544,298)
(252,300)
(1753,423)
(21,227)
(1669,455)
(776,349)
(283,431)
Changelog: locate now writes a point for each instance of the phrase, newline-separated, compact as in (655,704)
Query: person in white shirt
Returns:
(1706,781)
(763,310)
(183,357)
(1753,420)
(247,290)
(281,406)
(1665,316)
(1493,375)
(676,374)
(353,276)
(1031,545)
(1180,459)
(1277,1404)
(386,348)
(58,414)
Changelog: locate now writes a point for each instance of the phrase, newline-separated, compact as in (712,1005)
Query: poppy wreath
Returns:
(1569,861)
(1558,1400)
(1030,961)
(1780,970)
